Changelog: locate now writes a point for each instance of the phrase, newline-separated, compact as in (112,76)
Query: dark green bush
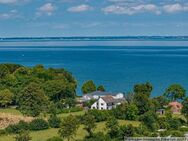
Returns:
(55,139)
(2,132)
(16,128)
(39,124)
(100,115)
(54,121)
(67,110)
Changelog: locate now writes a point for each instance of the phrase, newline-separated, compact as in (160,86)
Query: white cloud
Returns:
(173,8)
(46,9)
(130,10)
(79,8)
(9,15)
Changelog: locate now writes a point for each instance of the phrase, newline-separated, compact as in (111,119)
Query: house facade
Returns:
(107,103)
(175,107)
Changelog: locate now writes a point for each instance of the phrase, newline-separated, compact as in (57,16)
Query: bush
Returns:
(23,136)
(55,139)
(39,124)
(54,121)
(16,128)
(100,115)
(2,132)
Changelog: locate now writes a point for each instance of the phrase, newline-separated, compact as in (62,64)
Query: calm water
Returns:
(117,67)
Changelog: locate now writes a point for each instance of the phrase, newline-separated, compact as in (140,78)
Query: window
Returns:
(101,108)
(102,104)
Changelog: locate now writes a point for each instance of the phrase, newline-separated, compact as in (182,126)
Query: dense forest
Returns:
(33,89)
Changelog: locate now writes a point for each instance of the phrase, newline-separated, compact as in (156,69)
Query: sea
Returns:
(118,63)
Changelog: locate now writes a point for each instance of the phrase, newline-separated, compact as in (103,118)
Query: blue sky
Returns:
(26,18)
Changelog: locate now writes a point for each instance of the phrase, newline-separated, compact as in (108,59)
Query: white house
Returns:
(106,103)
(98,94)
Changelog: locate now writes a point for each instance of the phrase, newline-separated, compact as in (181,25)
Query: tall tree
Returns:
(101,88)
(145,89)
(89,124)
(69,127)
(32,100)
(88,87)
(142,102)
(6,97)
(175,92)
(3,70)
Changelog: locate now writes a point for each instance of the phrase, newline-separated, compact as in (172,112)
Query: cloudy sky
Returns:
(21,18)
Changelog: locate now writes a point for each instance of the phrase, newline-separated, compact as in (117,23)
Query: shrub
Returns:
(16,128)
(100,115)
(2,132)
(38,124)
(54,121)
(23,136)
(55,139)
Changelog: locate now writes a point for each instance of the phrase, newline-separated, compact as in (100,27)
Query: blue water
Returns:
(118,68)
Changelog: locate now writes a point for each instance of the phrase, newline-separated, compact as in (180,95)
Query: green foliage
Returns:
(144,89)
(32,100)
(175,92)
(126,131)
(126,111)
(100,115)
(2,132)
(89,103)
(88,87)
(23,136)
(38,124)
(69,127)
(101,88)
(55,139)
(99,136)
(113,127)
(6,97)
(185,108)
(54,121)
(4,70)
(89,124)
(142,102)
(150,120)
(17,128)
(59,89)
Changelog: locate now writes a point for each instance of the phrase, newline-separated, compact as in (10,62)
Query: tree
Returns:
(126,131)
(3,70)
(57,90)
(32,100)
(142,102)
(23,136)
(131,112)
(101,88)
(113,127)
(6,97)
(175,92)
(89,124)
(149,119)
(185,108)
(88,87)
(69,127)
(145,89)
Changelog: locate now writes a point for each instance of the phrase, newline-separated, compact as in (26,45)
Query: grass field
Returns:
(45,134)
(11,111)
